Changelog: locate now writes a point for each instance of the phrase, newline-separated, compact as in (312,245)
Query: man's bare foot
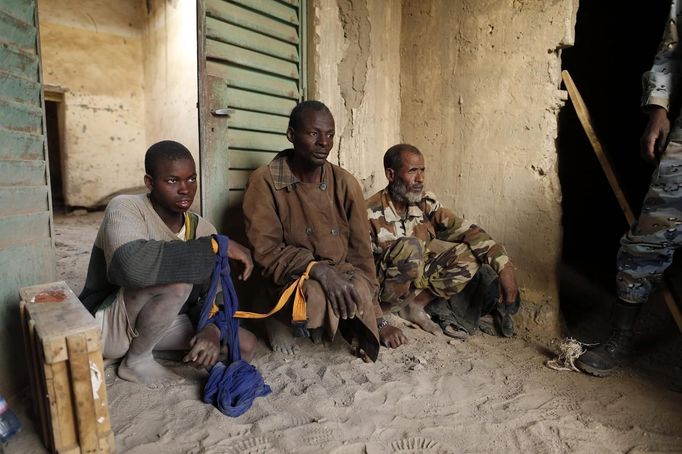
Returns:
(147,371)
(415,313)
(281,337)
(316,335)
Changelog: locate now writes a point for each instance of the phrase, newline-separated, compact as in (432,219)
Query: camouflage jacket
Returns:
(660,84)
(428,220)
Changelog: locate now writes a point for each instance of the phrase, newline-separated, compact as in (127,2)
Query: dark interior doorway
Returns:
(54,149)
(614,44)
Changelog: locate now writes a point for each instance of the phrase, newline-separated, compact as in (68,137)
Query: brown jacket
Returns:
(290,223)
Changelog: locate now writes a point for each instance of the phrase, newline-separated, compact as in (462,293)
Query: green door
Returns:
(251,74)
(26,245)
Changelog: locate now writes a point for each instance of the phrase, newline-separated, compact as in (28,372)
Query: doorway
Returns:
(614,46)
(54,114)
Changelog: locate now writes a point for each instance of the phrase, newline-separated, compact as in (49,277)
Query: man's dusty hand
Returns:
(508,286)
(655,136)
(205,347)
(237,252)
(391,336)
(341,294)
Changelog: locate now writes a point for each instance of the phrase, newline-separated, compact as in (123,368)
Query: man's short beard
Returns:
(399,193)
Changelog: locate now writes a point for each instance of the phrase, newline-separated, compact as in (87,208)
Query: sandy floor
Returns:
(434,395)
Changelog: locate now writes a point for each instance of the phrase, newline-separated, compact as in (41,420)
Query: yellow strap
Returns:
(299,310)
(188,228)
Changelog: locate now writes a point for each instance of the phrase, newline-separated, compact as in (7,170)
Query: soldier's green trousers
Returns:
(409,266)
(647,249)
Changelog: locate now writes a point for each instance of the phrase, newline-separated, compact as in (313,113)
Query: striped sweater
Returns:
(134,248)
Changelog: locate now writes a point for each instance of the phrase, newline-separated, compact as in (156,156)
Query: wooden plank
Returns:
(253,140)
(20,145)
(253,81)
(104,433)
(19,33)
(61,397)
(86,417)
(253,21)
(23,200)
(22,173)
(607,167)
(242,37)
(18,63)
(24,229)
(274,9)
(258,121)
(227,52)
(249,160)
(19,90)
(19,9)
(21,117)
(36,379)
(238,178)
(258,102)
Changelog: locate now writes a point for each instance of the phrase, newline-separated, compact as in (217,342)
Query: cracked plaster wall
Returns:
(355,69)
(475,85)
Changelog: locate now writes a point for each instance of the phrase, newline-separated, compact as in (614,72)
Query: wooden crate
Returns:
(63,351)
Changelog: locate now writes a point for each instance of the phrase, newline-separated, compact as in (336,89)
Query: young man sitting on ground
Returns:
(151,261)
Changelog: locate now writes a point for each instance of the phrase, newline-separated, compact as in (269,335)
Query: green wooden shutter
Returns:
(251,61)
(26,246)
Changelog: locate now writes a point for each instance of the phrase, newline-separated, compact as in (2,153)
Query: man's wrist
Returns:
(215,328)
(319,270)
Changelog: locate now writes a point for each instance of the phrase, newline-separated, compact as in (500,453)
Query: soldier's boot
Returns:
(602,360)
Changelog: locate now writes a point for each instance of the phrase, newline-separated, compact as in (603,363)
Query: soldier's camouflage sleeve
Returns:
(659,83)
(450,227)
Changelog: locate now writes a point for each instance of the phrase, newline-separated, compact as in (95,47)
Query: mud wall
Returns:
(93,50)
(128,69)
(475,85)
(170,73)
(354,68)
(480,96)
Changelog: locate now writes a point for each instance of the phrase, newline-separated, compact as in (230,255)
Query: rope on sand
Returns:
(569,350)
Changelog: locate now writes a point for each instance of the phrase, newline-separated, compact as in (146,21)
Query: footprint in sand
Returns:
(415,445)
(258,445)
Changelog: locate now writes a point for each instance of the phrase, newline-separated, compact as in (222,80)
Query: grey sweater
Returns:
(134,248)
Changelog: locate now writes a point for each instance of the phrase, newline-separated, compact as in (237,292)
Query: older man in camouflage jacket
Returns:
(425,253)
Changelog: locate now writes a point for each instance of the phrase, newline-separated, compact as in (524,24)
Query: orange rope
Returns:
(299,313)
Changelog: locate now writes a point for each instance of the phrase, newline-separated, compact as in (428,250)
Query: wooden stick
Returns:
(607,167)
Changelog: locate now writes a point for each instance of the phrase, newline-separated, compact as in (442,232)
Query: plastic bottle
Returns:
(9,423)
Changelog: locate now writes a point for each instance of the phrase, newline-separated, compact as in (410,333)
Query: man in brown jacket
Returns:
(299,209)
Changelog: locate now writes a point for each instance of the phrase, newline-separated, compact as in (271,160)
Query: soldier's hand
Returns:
(508,286)
(655,136)
(342,296)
